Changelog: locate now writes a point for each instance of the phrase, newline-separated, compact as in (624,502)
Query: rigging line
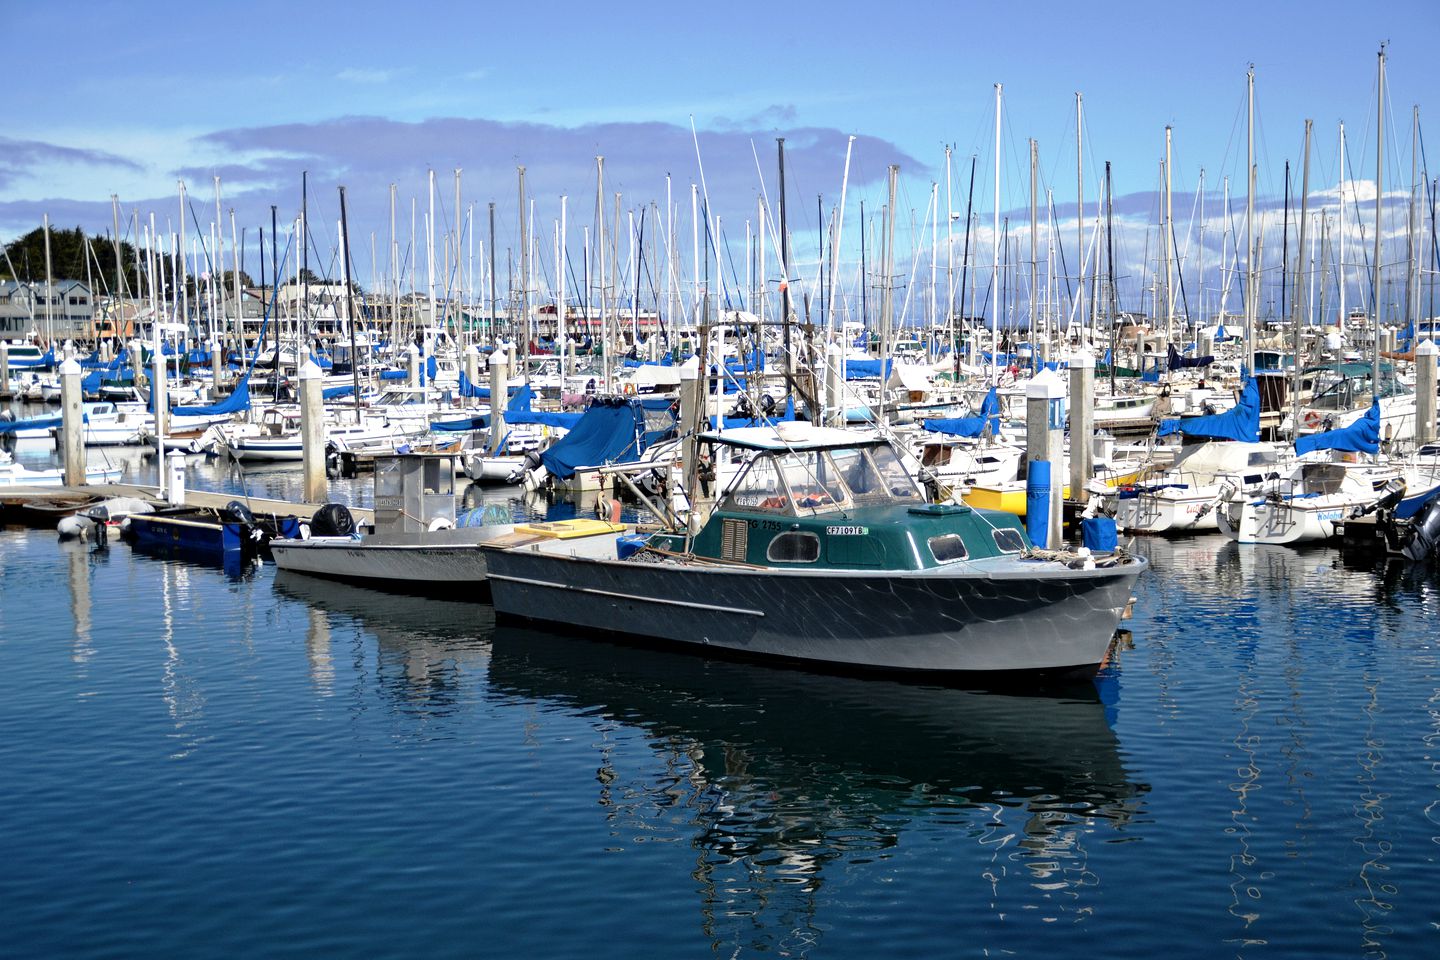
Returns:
(705,192)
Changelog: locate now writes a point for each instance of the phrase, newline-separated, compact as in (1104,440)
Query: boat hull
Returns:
(1039,621)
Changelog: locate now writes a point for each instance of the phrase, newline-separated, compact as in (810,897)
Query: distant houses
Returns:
(66,310)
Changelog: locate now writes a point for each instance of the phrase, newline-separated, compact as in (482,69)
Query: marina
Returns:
(649,492)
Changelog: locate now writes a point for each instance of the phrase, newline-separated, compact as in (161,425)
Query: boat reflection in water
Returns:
(427,647)
(790,778)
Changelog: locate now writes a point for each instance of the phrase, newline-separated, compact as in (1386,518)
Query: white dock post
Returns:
(161,396)
(4,365)
(835,385)
(312,432)
(499,381)
(472,365)
(1082,424)
(412,365)
(217,369)
(1425,354)
(72,426)
(692,406)
(1045,438)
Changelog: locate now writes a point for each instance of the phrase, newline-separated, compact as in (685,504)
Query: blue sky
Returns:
(257,91)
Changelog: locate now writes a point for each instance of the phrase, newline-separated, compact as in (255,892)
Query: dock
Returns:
(261,506)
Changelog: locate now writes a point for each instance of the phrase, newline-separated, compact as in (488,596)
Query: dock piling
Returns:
(835,385)
(1045,432)
(72,423)
(1082,423)
(1425,354)
(499,380)
(312,432)
(217,370)
(4,366)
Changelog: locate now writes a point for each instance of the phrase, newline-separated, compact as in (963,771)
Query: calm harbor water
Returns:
(203,763)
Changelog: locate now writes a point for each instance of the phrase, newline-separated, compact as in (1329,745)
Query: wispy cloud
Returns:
(21,157)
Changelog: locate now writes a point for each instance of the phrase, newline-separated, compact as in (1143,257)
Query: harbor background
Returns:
(202,762)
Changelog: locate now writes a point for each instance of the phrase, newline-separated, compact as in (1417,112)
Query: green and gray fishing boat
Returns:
(824,550)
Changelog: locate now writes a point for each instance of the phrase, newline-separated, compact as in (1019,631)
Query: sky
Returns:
(365,94)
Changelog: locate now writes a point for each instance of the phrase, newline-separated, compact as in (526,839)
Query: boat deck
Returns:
(262,506)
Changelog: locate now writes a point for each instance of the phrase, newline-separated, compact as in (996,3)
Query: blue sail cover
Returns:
(1241,422)
(970,426)
(612,430)
(520,400)
(238,400)
(866,369)
(480,422)
(93,381)
(564,421)
(37,423)
(1362,436)
(1177,362)
(333,393)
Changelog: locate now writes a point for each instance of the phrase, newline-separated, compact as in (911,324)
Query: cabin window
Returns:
(1009,540)
(759,488)
(813,482)
(897,479)
(794,547)
(947,548)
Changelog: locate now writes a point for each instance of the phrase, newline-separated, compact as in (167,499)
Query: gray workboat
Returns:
(823,550)
(416,543)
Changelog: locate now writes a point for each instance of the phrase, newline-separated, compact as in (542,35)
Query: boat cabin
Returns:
(833,499)
(414,492)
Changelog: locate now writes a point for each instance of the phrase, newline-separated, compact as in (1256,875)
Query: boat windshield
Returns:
(808,482)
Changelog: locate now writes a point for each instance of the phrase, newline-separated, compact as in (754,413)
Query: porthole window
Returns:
(794,548)
(1009,540)
(948,548)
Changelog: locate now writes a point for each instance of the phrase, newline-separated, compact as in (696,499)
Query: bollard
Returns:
(499,381)
(1425,354)
(1082,424)
(312,432)
(175,492)
(1045,436)
(72,427)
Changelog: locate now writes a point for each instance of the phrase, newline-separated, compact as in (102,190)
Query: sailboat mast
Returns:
(995,251)
(1299,305)
(1379,194)
(1250,293)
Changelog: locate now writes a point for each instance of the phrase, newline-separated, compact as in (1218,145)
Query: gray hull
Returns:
(1009,617)
(448,560)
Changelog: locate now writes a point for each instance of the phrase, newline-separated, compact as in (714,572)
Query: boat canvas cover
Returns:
(867,369)
(1241,422)
(36,423)
(1177,362)
(970,426)
(1362,436)
(612,430)
(238,400)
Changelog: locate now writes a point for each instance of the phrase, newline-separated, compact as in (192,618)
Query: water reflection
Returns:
(427,649)
(785,777)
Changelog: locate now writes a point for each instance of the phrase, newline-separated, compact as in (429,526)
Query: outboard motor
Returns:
(1425,532)
(529,465)
(332,520)
(247,528)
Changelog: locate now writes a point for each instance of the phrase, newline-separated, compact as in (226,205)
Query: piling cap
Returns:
(1082,358)
(1426,348)
(499,359)
(70,368)
(309,371)
(1046,385)
(690,369)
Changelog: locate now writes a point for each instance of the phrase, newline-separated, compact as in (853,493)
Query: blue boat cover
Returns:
(1362,436)
(970,426)
(238,400)
(1241,422)
(392,374)
(331,393)
(93,381)
(612,430)
(865,369)
(565,421)
(1177,362)
(37,423)
(480,422)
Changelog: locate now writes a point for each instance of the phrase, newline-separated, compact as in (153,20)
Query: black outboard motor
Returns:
(332,520)
(532,461)
(1425,531)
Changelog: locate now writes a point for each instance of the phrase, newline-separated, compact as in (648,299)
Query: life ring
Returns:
(1312,419)
(629,389)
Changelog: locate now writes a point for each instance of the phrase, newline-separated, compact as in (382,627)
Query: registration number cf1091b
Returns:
(847,531)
